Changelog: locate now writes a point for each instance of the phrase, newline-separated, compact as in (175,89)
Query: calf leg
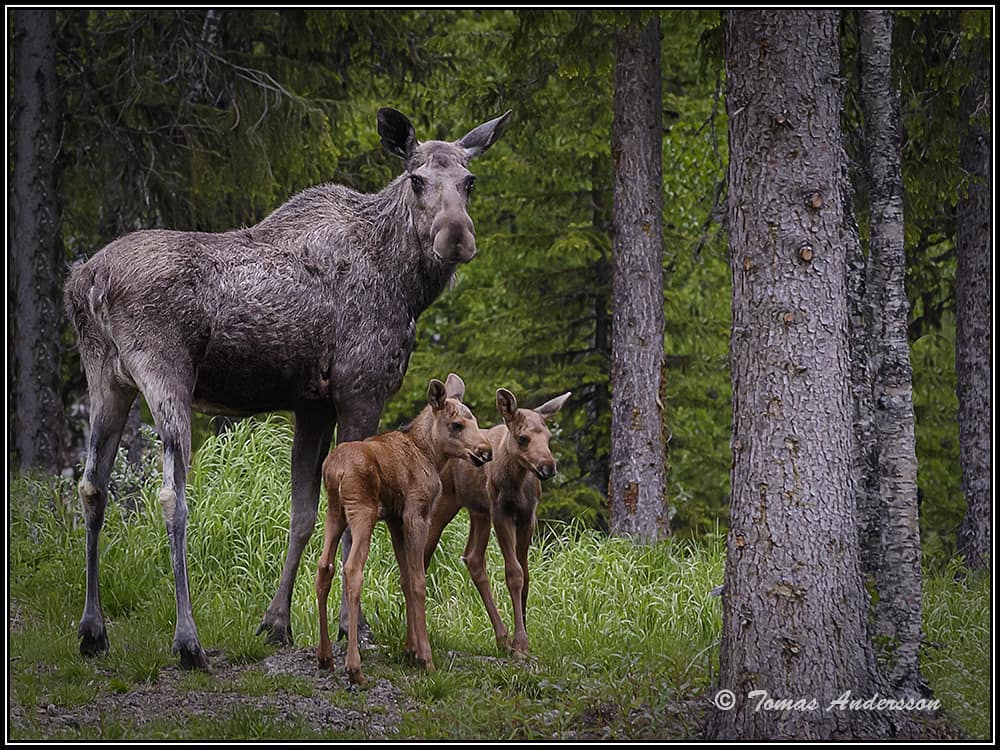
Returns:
(443,510)
(474,558)
(514,573)
(169,402)
(355,423)
(414,543)
(399,550)
(109,407)
(362,522)
(310,445)
(332,531)
(524,534)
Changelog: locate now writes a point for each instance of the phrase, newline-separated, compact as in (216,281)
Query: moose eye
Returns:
(470,183)
(523,440)
(417,183)
(457,426)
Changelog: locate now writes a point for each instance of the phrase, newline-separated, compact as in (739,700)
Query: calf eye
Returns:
(470,183)
(417,183)
(523,440)
(457,426)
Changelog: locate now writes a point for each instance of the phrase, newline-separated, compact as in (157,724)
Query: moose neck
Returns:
(420,275)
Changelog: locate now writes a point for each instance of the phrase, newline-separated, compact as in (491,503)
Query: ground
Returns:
(225,695)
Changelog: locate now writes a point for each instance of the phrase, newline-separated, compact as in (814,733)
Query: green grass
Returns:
(623,637)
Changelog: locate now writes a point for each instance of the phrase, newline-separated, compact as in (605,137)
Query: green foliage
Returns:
(957,624)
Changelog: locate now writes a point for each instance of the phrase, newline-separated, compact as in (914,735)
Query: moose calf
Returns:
(505,493)
(395,477)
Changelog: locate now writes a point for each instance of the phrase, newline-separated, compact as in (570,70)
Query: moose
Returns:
(395,477)
(313,311)
(505,494)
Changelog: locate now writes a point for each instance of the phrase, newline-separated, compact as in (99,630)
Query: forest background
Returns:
(208,120)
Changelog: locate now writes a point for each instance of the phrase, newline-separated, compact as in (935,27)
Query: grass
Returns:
(623,637)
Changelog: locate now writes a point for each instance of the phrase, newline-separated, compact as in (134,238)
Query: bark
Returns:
(600,404)
(637,483)
(897,565)
(865,445)
(39,422)
(974,301)
(794,607)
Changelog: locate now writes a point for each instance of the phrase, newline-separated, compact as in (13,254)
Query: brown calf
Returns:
(395,477)
(505,492)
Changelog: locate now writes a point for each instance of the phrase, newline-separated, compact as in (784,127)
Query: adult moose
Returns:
(312,310)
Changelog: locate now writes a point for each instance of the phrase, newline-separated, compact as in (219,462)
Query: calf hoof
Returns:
(93,641)
(192,656)
(325,660)
(355,677)
(503,642)
(520,649)
(276,633)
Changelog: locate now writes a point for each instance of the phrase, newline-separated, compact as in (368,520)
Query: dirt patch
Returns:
(316,698)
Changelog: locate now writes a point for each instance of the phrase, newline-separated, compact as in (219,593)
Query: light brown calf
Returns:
(506,493)
(395,477)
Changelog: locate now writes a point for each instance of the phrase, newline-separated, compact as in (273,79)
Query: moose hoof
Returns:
(192,656)
(364,633)
(276,634)
(93,642)
(325,660)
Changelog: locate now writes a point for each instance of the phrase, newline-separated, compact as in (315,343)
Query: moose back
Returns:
(312,310)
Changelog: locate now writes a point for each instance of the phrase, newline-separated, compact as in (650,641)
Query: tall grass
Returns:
(621,634)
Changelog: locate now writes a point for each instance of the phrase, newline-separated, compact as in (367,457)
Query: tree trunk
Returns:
(637,484)
(974,297)
(897,569)
(39,422)
(794,608)
(600,404)
(865,445)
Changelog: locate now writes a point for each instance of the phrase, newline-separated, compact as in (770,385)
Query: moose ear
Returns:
(454,386)
(436,394)
(398,136)
(551,406)
(506,404)
(477,140)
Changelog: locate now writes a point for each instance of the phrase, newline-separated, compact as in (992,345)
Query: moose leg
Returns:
(474,558)
(514,573)
(169,400)
(310,445)
(332,531)
(355,423)
(109,407)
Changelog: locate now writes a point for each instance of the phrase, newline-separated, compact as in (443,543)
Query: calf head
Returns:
(439,183)
(527,438)
(454,429)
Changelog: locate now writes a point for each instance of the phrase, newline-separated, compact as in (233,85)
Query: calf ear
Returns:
(506,404)
(436,394)
(454,386)
(477,140)
(553,405)
(398,136)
